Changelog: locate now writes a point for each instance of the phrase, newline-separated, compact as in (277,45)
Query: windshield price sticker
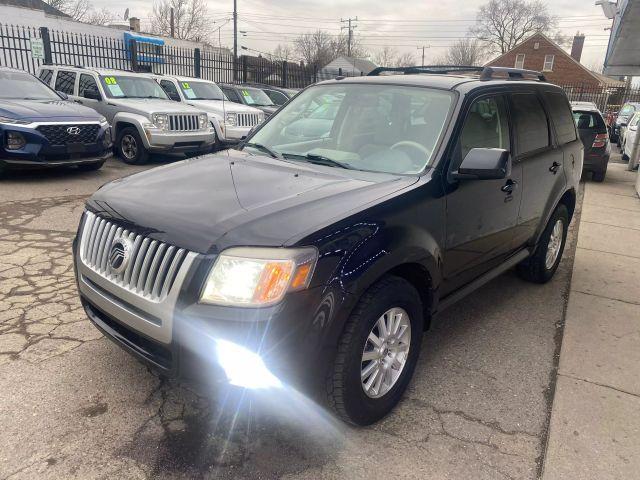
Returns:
(114,88)
(247,95)
(185,85)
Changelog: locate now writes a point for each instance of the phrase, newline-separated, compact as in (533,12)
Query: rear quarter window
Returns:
(65,82)
(531,126)
(561,116)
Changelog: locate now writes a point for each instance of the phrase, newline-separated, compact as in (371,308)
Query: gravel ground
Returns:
(74,405)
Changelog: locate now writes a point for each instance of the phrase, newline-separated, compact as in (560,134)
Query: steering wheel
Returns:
(415,145)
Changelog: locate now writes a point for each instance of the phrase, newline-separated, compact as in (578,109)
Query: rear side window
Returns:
(87,82)
(588,120)
(276,97)
(231,94)
(170,88)
(532,129)
(65,82)
(45,76)
(560,114)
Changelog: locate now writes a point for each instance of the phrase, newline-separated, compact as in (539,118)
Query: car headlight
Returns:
(203,119)
(104,123)
(261,117)
(15,141)
(231,119)
(257,277)
(161,120)
(13,121)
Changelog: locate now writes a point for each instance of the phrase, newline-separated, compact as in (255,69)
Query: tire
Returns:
(133,151)
(3,169)
(91,167)
(599,176)
(344,388)
(535,269)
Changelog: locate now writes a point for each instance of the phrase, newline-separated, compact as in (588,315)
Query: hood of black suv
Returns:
(217,201)
(47,111)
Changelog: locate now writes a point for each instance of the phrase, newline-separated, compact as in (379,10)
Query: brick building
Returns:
(540,53)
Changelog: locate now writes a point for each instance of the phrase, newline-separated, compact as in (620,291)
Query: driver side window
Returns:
(486,126)
(170,89)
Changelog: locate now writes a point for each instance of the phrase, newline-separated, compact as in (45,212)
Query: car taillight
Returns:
(600,140)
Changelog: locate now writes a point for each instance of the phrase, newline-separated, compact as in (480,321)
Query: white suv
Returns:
(235,121)
(143,118)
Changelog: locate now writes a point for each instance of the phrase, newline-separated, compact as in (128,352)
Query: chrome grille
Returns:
(183,122)
(248,119)
(153,265)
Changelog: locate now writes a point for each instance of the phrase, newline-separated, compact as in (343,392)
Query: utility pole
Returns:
(235,39)
(422,48)
(350,37)
(172,23)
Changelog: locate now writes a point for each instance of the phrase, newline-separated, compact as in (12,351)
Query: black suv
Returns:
(321,262)
(251,96)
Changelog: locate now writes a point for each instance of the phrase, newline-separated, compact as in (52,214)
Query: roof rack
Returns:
(486,73)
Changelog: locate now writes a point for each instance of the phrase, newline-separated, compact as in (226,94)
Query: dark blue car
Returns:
(39,128)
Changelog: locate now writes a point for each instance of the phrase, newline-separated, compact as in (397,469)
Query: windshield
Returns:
(627,110)
(22,86)
(201,91)
(255,96)
(128,86)
(382,128)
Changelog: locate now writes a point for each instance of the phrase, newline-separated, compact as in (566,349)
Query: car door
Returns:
(481,214)
(542,161)
(87,83)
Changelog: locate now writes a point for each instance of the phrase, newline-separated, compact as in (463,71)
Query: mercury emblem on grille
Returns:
(73,130)
(119,255)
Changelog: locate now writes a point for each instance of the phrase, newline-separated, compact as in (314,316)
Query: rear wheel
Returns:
(542,265)
(599,176)
(130,147)
(377,352)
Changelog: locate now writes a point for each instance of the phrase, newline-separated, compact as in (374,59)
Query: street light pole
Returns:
(235,39)
(422,48)
(350,36)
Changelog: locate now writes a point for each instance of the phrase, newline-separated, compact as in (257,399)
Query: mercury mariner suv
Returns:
(143,118)
(319,263)
(39,128)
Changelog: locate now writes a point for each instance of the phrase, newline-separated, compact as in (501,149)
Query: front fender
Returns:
(135,119)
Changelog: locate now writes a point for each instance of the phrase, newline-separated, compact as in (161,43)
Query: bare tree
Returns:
(100,17)
(319,47)
(502,24)
(82,11)
(385,57)
(466,51)
(190,19)
(405,60)
(283,53)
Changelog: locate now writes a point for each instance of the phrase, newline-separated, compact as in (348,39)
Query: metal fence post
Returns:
(196,63)
(284,74)
(133,48)
(244,68)
(46,43)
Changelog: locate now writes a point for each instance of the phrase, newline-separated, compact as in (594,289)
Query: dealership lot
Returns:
(74,404)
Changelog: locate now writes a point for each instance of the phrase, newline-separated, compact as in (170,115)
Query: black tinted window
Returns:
(588,120)
(87,82)
(170,88)
(277,97)
(231,94)
(560,113)
(486,126)
(45,76)
(65,82)
(532,129)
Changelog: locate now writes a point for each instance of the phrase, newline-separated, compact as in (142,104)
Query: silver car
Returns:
(144,120)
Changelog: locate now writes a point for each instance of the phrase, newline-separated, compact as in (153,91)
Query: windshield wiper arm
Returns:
(329,162)
(265,149)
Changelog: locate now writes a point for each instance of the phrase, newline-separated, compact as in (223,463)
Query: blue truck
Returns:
(41,128)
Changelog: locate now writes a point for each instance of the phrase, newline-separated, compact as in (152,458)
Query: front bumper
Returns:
(233,135)
(163,141)
(296,339)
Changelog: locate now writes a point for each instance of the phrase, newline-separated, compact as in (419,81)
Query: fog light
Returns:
(15,141)
(244,368)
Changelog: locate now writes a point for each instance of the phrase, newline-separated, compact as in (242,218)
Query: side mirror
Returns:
(484,164)
(63,95)
(91,94)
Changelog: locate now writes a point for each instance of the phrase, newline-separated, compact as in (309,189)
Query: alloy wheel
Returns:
(385,352)
(129,146)
(555,242)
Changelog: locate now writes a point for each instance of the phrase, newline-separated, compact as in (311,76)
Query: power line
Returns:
(350,34)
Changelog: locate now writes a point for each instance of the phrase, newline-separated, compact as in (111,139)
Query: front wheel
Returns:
(377,352)
(130,147)
(542,265)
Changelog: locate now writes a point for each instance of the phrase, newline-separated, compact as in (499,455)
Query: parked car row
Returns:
(137,114)
(593,132)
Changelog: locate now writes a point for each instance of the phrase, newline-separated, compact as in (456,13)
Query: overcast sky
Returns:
(404,25)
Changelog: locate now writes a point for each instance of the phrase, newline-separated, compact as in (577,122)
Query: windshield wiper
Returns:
(265,149)
(322,160)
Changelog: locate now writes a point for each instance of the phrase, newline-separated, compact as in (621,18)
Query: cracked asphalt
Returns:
(74,405)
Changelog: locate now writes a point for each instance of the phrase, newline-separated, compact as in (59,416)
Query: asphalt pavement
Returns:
(74,405)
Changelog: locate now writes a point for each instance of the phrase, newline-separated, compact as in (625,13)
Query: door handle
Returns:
(509,186)
(554,167)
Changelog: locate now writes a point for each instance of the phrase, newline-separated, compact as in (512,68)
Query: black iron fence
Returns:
(27,48)
(608,98)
